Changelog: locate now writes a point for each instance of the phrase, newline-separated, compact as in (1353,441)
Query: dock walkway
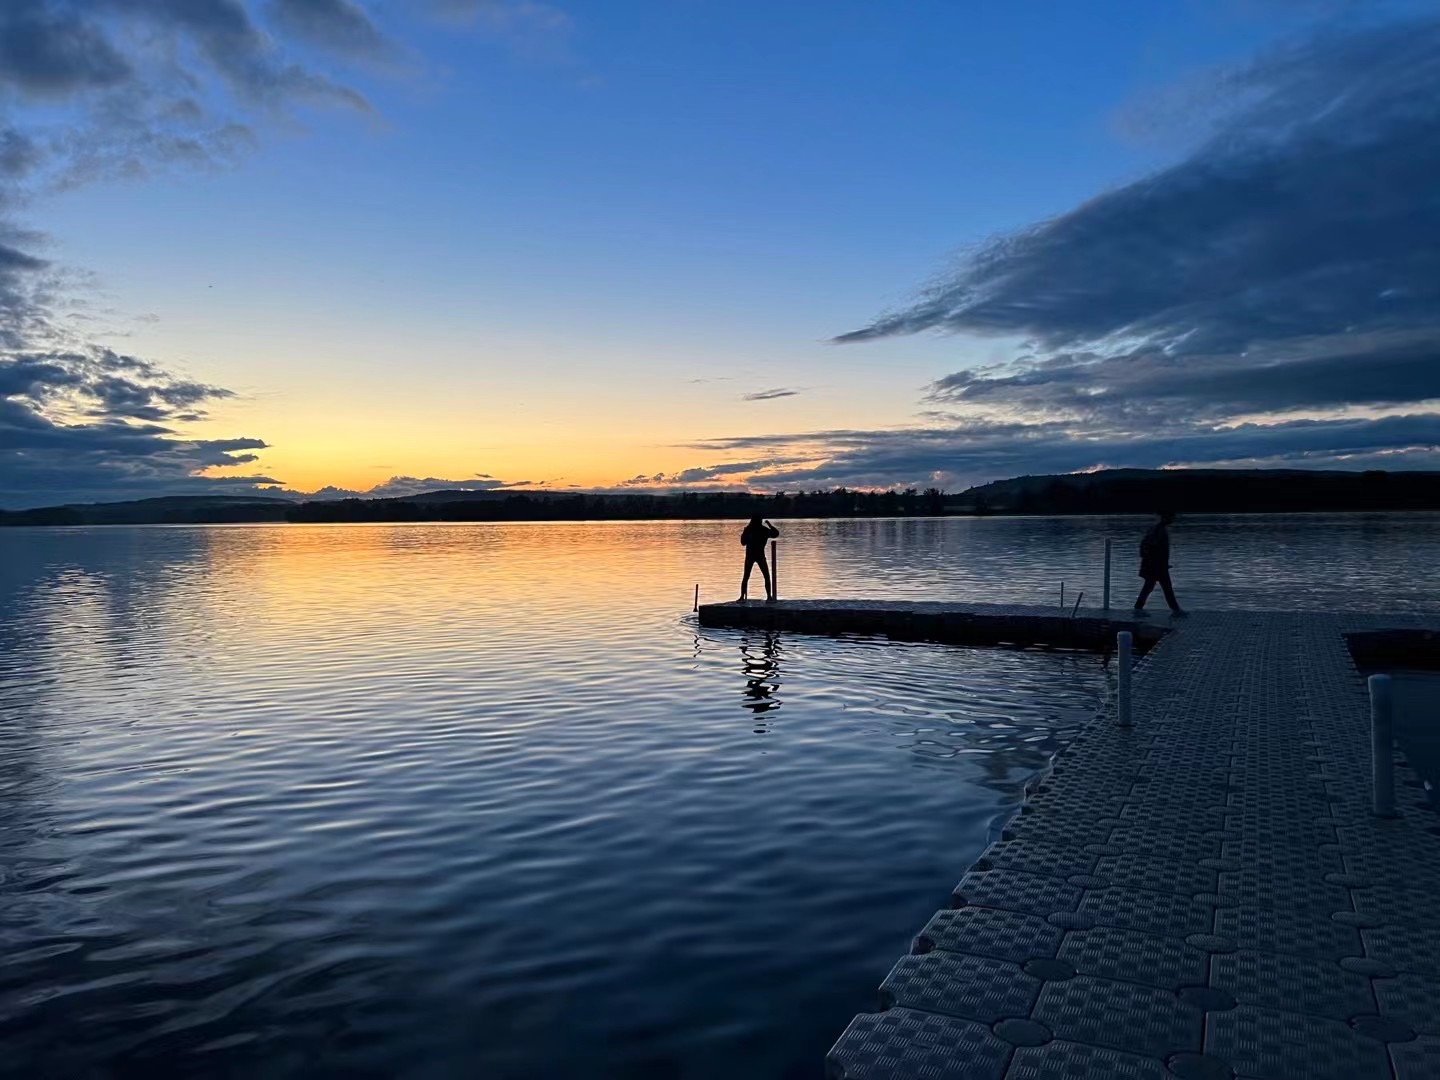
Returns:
(1203,895)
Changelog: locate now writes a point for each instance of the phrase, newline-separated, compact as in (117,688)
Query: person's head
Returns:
(756,522)
(1167,517)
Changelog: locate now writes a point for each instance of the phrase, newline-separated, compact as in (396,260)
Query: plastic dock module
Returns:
(1205,894)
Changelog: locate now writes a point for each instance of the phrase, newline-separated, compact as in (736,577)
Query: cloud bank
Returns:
(97,425)
(1271,298)
(95,90)
(101,90)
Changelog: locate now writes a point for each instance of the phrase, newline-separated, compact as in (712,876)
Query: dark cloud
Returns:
(35,378)
(706,474)
(73,50)
(771,395)
(1310,211)
(25,292)
(13,260)
(19,155)
(94,425)
(120,397)
(1153,386)
(1287,270)
(96,90)
(128,86)
(232,45)
(104,89)
(963,454)
(47,50)
(338,25)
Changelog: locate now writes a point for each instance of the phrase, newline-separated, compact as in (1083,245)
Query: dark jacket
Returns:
(755,537)
(1155,552)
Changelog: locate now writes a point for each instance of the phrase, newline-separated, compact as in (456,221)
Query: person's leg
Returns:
(764,565)
(1169,591)
(1145,591)
(745,581)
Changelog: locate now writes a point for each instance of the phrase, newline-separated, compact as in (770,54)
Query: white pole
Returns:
(1107,573)
(1382,753)
(1122,683)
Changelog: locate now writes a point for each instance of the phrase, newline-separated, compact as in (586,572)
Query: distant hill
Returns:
(211,509)
(527,505)
(1203,491)
(1111,491)
(164,510)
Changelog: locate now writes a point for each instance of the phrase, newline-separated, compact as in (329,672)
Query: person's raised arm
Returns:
(773,531)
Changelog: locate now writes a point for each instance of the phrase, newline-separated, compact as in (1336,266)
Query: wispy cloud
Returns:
(507,16)
(707,475)
(771,395)
(340,26)
(536,30)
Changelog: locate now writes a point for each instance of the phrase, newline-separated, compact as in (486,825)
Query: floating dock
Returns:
(954,624)
(1204,895)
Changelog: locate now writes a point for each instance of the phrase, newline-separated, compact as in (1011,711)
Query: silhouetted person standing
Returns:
(756,535)
(1155,563)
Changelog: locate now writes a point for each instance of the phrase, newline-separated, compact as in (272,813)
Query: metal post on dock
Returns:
(1382,750)
(775,569)
(1107,573)
(1062,596)
(1122,682)
(697,596)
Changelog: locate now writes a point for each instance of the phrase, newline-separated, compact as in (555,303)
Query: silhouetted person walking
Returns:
(1155,563)
(756,535)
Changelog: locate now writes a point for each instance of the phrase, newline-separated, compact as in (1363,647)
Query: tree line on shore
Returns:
(1206,491)
(1122,491)
(841,502)
(515,506)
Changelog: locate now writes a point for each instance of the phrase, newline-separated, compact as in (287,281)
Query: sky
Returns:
(343,246)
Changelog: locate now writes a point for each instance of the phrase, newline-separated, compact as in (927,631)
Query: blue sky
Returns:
(563,244)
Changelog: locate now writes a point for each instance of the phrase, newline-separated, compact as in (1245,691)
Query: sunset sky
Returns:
(334,244)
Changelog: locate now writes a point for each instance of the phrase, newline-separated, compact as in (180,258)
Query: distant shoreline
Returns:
(1107,492)
(6,518)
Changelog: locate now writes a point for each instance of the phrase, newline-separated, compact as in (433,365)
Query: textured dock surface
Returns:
(1203,895)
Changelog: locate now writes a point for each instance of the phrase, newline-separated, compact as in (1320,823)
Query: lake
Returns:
(483,800)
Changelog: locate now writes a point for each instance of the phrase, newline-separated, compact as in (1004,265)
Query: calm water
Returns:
(483,801)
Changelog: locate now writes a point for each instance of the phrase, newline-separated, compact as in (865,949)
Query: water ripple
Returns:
(444,801)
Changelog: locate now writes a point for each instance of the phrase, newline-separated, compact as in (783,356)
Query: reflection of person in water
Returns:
(762,668)
(756,535)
